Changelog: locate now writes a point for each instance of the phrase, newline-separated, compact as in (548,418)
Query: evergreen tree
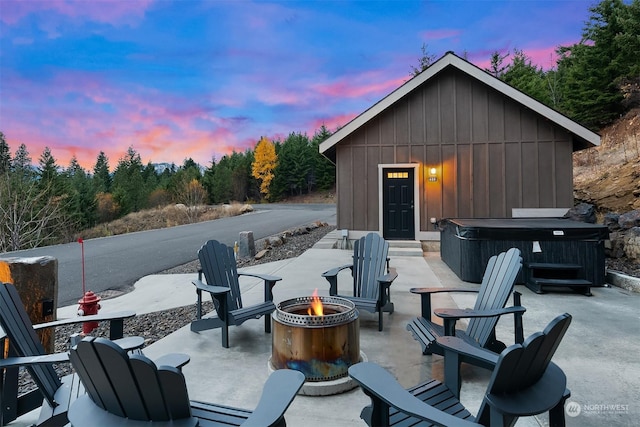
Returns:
(101,175)
(525,76)
(222,188)
(21,163)
(82,203)
(49,173)
(594,70)
(5,155)
(129,190)
(325,171)
(497,67)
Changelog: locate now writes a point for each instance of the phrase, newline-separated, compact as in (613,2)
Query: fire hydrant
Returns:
(89,304)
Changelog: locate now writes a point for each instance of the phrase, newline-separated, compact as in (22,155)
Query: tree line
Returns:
(46,204)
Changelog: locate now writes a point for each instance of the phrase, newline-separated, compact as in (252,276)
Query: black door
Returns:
(397,200)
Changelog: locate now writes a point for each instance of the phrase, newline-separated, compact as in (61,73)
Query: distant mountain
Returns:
(161,167)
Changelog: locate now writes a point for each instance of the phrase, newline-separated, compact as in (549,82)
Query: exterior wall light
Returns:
(433,175)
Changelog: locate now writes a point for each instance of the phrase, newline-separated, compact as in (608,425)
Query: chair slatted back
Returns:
(369,262)
(521,366)
(17,325)
(218,264)
(524,364)
(130,386)
(497,285)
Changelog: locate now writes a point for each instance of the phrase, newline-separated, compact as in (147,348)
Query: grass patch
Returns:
(164,217)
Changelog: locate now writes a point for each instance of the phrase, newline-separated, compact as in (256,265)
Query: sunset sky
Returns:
(198,79)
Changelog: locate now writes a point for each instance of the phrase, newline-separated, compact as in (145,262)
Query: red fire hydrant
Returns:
(89,304)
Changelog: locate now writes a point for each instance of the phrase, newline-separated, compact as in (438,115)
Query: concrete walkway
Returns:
(599,354)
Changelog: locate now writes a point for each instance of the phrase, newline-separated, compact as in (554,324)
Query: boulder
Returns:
(611,221)
(632,244)
(629,220)
(583,212)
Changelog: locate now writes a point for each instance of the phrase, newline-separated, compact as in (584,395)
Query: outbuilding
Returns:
(452,142)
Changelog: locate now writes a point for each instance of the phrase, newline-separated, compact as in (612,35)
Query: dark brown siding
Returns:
(492,154)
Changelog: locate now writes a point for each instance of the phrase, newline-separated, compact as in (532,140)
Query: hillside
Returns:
(608,176)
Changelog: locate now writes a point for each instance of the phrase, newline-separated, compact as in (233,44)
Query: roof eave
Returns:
(589,138)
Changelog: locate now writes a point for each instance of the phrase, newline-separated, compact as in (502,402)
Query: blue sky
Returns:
(199,79)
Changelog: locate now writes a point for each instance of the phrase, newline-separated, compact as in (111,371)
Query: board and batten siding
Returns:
(492,154)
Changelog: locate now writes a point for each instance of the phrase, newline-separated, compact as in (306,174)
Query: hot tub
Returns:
(467,244)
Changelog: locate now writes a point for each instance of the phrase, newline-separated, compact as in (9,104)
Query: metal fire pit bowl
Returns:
(321,347)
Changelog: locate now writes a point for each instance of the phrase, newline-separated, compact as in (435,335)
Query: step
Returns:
(538,284)
(552,266)
(560,282)
(405,251)
(405,244)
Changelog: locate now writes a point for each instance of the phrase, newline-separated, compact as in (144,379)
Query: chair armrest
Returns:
(451,315)
(384,391)
(389,277)
(278,393)
(12,362)
(101,317)
(269,283)
(336,270)
(438,290)
(464,313)
(215,290)
(425,297)
(485,358)
(115,319)
(265,277)
(456,351)
(332,277)
(177,360)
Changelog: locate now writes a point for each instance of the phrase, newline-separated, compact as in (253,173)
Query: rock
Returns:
(583,212)
(261,254)
(632,244)
(629,220)
(611,221)
(614,247)
(276,241)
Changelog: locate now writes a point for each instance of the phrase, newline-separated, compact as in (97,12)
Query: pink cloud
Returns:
(365,84)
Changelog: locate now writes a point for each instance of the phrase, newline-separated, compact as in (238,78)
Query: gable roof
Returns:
(582,137)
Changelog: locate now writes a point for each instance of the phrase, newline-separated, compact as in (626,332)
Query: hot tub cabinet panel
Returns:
(467,244)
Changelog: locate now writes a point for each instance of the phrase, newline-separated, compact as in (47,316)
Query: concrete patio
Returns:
(599,354)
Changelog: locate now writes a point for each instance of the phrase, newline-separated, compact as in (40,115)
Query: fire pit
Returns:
(320,337)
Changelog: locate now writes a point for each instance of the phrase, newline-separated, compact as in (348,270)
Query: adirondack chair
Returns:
(132,390)
(372,277)
(27,351)
(218,263)
(524,382)
(497,284)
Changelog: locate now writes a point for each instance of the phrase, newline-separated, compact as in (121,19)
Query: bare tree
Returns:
(192,194)
(29,216)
